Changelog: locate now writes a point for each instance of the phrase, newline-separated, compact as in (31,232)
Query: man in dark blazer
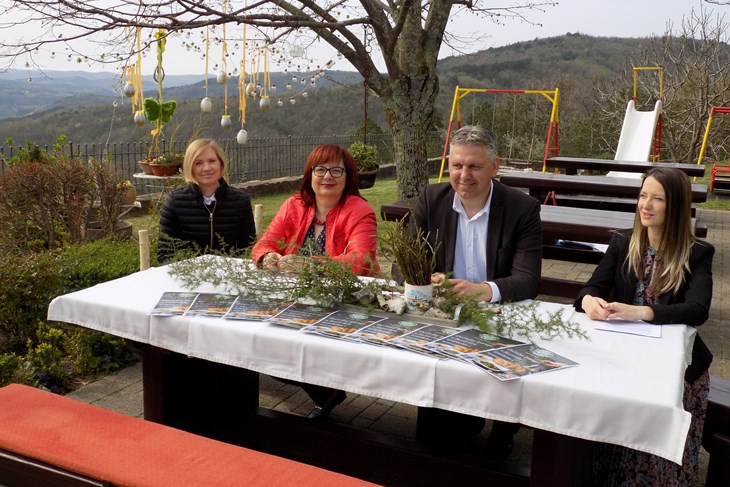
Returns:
(489,244)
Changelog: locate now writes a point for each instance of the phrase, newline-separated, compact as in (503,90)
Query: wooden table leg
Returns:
(195,395)
(559,460)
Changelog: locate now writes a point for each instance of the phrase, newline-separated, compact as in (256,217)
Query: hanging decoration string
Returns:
(207,47)
(224,54)
(242,81)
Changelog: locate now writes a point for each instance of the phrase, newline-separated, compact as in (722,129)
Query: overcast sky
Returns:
(620,18)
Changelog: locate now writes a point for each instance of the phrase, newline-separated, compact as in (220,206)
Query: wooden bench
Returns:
(716,434)
(573,164)
(540,184)
(50,440)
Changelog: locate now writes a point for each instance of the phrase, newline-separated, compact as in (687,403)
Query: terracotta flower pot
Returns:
(164,171)
(130,196)
(145,167)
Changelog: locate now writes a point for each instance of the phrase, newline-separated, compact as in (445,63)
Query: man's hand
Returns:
(479,291)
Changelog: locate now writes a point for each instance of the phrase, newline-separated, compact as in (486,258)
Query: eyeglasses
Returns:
(321,171)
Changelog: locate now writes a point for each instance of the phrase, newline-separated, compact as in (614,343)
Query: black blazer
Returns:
(514,236)
(690,306)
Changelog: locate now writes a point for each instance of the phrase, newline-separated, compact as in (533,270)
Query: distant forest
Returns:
(574,63)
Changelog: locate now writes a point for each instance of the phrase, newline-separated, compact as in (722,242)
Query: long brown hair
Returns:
(676,240)
(324,154)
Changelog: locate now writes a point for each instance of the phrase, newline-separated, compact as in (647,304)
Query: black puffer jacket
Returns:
(227,223)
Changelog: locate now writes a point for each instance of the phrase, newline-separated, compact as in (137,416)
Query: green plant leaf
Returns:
(152,109)
(166,110)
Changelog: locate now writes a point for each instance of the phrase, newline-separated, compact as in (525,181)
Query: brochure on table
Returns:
(503,358)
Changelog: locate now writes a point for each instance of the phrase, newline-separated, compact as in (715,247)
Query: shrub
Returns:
(31,282)
(366,156)
(98,261)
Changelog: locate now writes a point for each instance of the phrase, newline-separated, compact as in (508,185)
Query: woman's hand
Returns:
(295,263)
(599,309)
(595,308)
(629,312)
(271,260)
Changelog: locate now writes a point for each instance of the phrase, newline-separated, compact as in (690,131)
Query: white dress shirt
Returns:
(470,253)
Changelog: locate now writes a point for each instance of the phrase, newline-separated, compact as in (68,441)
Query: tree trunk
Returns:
(409,114)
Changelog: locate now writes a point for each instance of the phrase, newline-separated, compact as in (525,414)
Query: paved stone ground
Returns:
(122,392)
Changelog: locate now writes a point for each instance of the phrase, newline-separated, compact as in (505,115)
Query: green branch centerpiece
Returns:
(330,284)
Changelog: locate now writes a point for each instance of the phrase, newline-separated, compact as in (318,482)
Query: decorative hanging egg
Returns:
(280,103)
(139,118)
(226,122)
(288,86)
(264,104)
(273,88)
(292,101)
(206,105)
(128,89)
(305,94)
(222,77)
(251,90)
(242,137)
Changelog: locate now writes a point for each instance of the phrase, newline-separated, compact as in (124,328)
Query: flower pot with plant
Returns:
(416,261)
(165,164)
(366,160)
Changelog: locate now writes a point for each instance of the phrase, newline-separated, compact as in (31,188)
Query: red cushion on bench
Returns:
(106,445)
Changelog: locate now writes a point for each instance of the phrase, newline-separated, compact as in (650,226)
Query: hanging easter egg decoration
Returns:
(222,77)
(206,105)
(292,101)
(128,90)
(288,86)
(251,90)
(242,137)
(139,118)
(305,94)
(273,88)
(264,104)
(226,122)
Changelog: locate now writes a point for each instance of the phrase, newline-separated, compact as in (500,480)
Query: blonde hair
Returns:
(672,260)
(195,148)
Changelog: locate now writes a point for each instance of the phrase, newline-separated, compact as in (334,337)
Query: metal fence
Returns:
(260,159)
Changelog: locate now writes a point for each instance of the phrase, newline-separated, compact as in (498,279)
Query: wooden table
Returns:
(540,184)
(201,374)
(572,164)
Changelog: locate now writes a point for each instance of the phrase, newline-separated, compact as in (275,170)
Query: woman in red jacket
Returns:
(327,218)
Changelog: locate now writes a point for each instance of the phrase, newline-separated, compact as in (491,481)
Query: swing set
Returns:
(716,178)
(552,125)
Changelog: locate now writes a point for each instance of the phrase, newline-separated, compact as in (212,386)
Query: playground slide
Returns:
(637,134)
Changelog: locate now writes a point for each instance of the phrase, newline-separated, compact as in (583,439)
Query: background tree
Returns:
(406,34)
(696,77)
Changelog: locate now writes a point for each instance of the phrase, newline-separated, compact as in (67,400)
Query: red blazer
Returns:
(351,233)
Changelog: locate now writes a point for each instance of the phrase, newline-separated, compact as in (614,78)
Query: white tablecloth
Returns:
(627,389)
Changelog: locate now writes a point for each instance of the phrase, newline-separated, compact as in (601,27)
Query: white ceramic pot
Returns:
(418,298)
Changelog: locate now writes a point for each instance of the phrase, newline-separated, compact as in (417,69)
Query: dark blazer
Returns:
(690,306)
(514,236)
(225,225)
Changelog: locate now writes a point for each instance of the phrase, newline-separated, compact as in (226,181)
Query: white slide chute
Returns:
(637,135)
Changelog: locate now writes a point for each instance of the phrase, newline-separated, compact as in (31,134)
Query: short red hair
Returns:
(324,154)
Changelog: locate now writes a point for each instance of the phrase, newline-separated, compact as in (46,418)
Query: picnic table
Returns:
(540,184)
(573,164)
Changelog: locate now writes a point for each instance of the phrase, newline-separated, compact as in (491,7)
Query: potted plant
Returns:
(366,159)
(416,261)
(165,164)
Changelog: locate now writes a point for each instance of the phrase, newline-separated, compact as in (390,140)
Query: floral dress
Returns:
(615,465)
(311,245)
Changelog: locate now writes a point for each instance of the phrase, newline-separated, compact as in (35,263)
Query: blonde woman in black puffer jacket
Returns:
(206,214)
